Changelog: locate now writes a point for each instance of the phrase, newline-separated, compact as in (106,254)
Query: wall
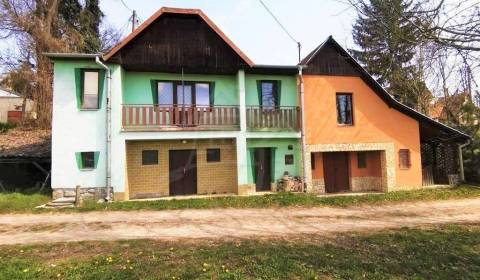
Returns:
(137,87)
(153,180)
(288,90)
(74,130)
(374,122)
(12,104)
(281,149)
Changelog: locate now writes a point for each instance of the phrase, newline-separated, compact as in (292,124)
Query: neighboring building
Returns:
(360,138)
(11,107)
(189,113)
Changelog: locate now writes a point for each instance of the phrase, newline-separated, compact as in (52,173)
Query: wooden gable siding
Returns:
(176,41)
(328,61)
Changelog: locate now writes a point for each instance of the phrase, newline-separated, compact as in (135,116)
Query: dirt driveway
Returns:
(231,223)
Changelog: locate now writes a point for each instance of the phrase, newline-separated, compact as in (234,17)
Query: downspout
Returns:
(302,116)
(109,123)
(460,159)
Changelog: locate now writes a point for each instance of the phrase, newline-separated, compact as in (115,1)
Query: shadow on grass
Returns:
(448,252)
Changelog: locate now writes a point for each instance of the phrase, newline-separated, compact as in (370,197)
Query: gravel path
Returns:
(231,223)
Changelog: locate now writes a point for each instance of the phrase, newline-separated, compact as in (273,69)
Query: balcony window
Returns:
(202,94)
(184,95)
(269,98)
(165,93)
(344,109)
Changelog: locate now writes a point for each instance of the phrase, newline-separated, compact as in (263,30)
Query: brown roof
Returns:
(165,10)
(26,143)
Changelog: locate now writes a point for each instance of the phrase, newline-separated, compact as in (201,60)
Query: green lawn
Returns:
(25,203)
(449,252)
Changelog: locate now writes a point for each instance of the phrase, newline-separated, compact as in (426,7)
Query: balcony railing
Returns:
(279,118)
(178,117)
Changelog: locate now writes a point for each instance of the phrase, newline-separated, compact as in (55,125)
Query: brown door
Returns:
(183,172)
(263,170)
(335,168)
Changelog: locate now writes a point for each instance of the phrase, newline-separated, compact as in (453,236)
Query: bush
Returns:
(4,127)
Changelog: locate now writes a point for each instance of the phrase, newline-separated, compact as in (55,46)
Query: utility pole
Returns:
(134,19)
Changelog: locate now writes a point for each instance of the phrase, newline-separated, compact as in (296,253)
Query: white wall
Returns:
(74,131)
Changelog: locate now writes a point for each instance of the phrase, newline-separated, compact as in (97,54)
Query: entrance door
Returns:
(183,172)
(263,170)
(335,169)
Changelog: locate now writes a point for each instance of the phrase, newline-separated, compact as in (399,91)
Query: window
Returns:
(404,158)
(165,93)
(269,94)
(312,160)
(213,155)
(290,147)
(149,157)
(88,160)
(202,94)
(361,159)
(186,93)
(288,159)
(90,89)
(344,109)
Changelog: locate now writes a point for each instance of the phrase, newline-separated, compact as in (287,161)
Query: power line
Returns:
(125,5)
(299,45)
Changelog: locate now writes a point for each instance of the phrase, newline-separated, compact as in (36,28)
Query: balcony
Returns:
(279,118)
(178,117)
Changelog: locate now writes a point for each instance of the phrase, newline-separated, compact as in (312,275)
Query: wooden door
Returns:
(263,169)
(183,172)
(336,173)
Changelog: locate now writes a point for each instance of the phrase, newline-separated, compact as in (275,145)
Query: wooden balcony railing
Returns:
(283,118)
(177,117)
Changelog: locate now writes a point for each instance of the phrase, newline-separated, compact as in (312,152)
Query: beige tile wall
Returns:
(153,180)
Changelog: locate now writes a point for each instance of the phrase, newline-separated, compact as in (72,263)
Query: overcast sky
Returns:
(251,28)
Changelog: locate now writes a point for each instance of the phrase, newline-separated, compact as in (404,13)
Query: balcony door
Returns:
(185,100)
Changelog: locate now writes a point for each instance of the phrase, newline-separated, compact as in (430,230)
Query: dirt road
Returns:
(230,223)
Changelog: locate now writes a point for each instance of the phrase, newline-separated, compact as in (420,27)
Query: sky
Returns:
(251,28)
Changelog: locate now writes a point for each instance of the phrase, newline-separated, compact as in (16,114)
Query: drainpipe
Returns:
(460,159)
(109,123)
(302,116)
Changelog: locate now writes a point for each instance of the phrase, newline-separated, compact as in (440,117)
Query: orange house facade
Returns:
(357,137)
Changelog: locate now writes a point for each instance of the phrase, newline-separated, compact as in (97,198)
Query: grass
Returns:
(22,203)
(448,252)
(4,127)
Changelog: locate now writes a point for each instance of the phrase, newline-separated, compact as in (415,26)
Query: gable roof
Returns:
(425,121)
(166,10)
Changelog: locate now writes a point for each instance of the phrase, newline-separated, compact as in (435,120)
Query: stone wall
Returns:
(85,193)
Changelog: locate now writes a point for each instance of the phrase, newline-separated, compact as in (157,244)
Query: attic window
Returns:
(344,109)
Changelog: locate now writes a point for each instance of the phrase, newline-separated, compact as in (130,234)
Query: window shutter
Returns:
(78,159)
(278,92)
(96,156)
(78,86)
(153,84)
(101,83)
(212,93)
(259,90)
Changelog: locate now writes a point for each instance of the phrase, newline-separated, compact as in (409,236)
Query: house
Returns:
(11,107)
(359,138)
(177,109)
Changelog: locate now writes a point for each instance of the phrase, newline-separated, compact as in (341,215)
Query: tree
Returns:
(39,26)
(388,43)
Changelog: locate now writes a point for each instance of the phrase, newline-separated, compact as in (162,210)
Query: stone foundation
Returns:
(247,189)
(318,186)
(361,184)
(85,193)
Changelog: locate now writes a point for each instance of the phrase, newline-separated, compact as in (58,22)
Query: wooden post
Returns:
(77,196)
